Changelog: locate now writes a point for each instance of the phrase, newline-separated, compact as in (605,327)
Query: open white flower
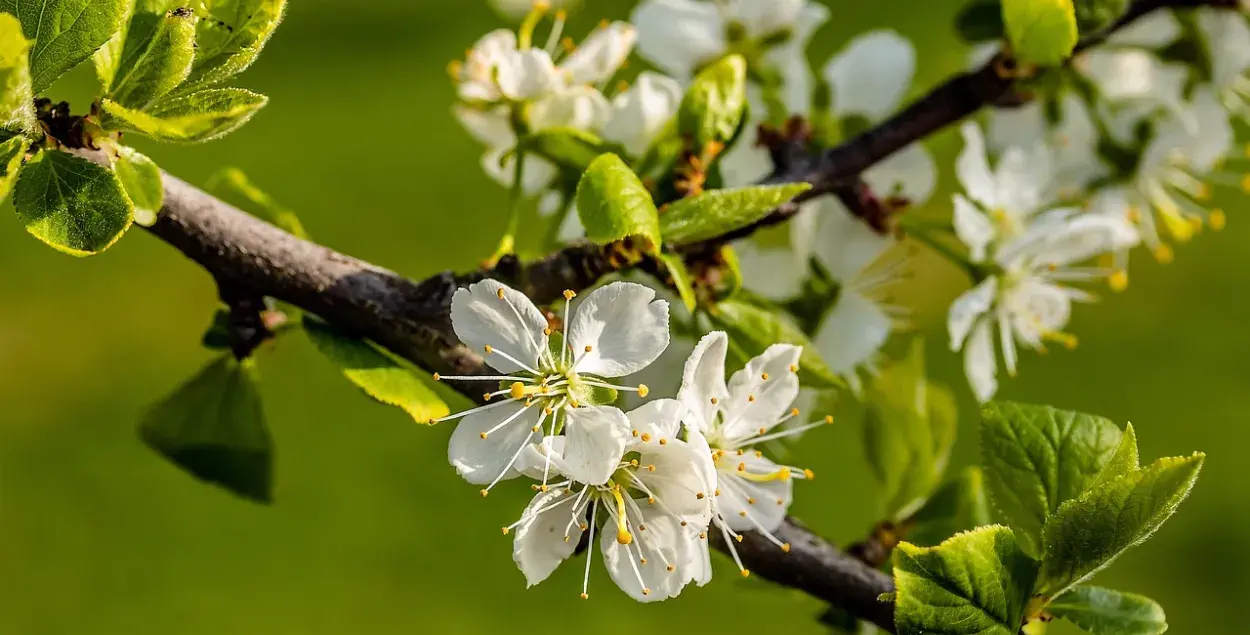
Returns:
(1026,298)
(1072,141)
(617,330)
(654,505)
(752,493)
(1003,201)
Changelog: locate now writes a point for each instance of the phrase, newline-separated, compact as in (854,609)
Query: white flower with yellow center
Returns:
(752,492)
(650,508)
(617,330)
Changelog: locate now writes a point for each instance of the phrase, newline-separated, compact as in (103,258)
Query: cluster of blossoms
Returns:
(651,482)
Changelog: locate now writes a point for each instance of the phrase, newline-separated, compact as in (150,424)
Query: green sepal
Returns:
(569,149)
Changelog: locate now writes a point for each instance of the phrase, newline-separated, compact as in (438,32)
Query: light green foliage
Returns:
(1093,16)
(1037,457)
(230,37)
(1123,461)
(716,212)
(676,266)
(213,427)
(715,104)
(11,153)
(977,582)
(156,58)
(1106,612)
(379,376)
(232,182)
(65,32)
(613,204)
(200,116)
(1088,533)
(752,328)
(17,106)
(1041,32)
(141,179)
(909,428)
(570,149)
(72,204)
(958,505)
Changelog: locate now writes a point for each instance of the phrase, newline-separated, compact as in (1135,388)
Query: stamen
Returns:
(782,474)
(490,350)
(589,556)
(622,529)
(472,411)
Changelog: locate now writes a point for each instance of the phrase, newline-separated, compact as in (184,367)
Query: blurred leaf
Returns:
(156,57)
(974,583)
(570,149)
(201,116)
(233,181)
(11,153)
(217,336)
(715,104)
(958,505)
(141,179)
(1041,32)
(613,204)
(909,428)
(1089,533)
(17,100)
(65,32)
(1093,16)
(72,204)
(752,328)
(230,38)
(213,427)
(1037,457)
(676,267)
(980,21)
(716,212)
(1107,612)
(379,376)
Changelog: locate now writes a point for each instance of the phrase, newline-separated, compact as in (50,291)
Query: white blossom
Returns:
(640,113)
(1227,39)
(1003,200)
(1072,141)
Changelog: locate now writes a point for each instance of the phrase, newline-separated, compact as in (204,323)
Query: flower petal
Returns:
(790,57)
(756,403)
(1016,127)
(489,313)
(660,418)
(489,127)
(540,544)
(500,165)
(853,331)
(579,107)
(846,245)
(618,329)
(528,74)
(747,162)
(595,438)
(772,273)
(973,167)
(684,477)
(598,58)
(909,173)
(1228,41)
(679,35)
(973,228)
(979,363)
(968,308)
(1022,178)
(871,75)
(1154,30)
(641,113)
(480,460)
(662,543)
(1036,308)
(771,498)
(703,389)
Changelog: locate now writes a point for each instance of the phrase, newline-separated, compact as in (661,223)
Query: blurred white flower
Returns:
(1072,141)
(642,111)
(517,9)
(1227,39)
(1003,201)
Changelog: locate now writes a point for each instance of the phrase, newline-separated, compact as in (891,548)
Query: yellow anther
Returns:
(742,467)
(743,514)
(489,349)
(746,573)
(455,68)
(794,412)
(589,348)
(633,462)
(794,368)
(566,539)
(650,468)
(1164,254)
(764,376)
(624,537)
(1245,183)
(683,523)
(751,398)
(643,390)
(517,389)
(569,294)
(741,451)
(700,495)
(499,293)
(663,441)
(1134,214)
(671,568)
(585,597)
(603,24)
(716,492)
(547,331)
(543,487)
(759,454)
(583,526)
(484,493)
(562,15)
(762,430)
(1118,281)
(780,502)
(634,432)
(645,437)
(505,530)
(622,86)
(437,377)
(567,44)
(713,401)
(702,534)
(785,547)
(828,418)
(1217,219)
(750,501)
(642,561)
(808,474)
(548,410)
(573,402)
(650,500)
(642,527)
(483,435)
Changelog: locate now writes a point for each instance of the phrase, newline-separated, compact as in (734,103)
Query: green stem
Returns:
(507,244)
(924,236)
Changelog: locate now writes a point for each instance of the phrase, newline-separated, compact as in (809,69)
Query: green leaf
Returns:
(17,100)
(1037,457)
(958,505)
(676,266)
(980,21)
(230,38)
(1088,533)
(201,116)
(975,583)
(65,32)
(379,376)
(717,212)
(141,179)
(11,153)
(1123,461)
(213,427)
(217,336)
(155,59)
(909,428)
(72,204)
(232,182)
(1093,16)
(753,328)
(715,104)
(1107,612)
(570,149)
(1041,32)
(613,204)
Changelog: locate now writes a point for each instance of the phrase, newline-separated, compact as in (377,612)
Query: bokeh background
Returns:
(372,532)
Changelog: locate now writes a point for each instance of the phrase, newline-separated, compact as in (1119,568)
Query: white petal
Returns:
(1016,127)
(477,78)
(1076,161)
(662,542)
(1007,340)
(846,245)
(595,442)
(735,492)
(510,322)
(679,35)
(480,460)
(659,418)
(1212,138)
(703,379)
(973,167)
(746,163)
(1022,178)
(853,331)
(909,173)
(683,471)
(579,107)
(979,363)
(1228,40)
(790,58)
(968,308)
(500,165)
(772,273)
(1123,74)
(973,228)
(1155,30)
(1037,308)
(528,74)
(598,58)
(540,545)
(761,18)
(803,228)
(625,329)
(1082,238)
(871,75)
(756,403)
(641,113)
(490,128)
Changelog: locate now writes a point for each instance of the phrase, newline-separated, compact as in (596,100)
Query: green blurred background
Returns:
(372,531)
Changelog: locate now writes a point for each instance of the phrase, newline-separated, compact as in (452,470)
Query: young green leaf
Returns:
(676,267)
(156,58)
(11,153)
(200,116)
(1088,533)
(1041,32)
(958,505)
(232,181)
(379,376)
(1107,612)
(72,204)
(141,179)
(715,104)
(977,582)
(1037,457)
(717,212)
(231,38)
(570,149)
(213,427)
(65,32)
(613,204)
(752,328)
(1123,461)
(909,428)
(17,102)
(1093,16)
